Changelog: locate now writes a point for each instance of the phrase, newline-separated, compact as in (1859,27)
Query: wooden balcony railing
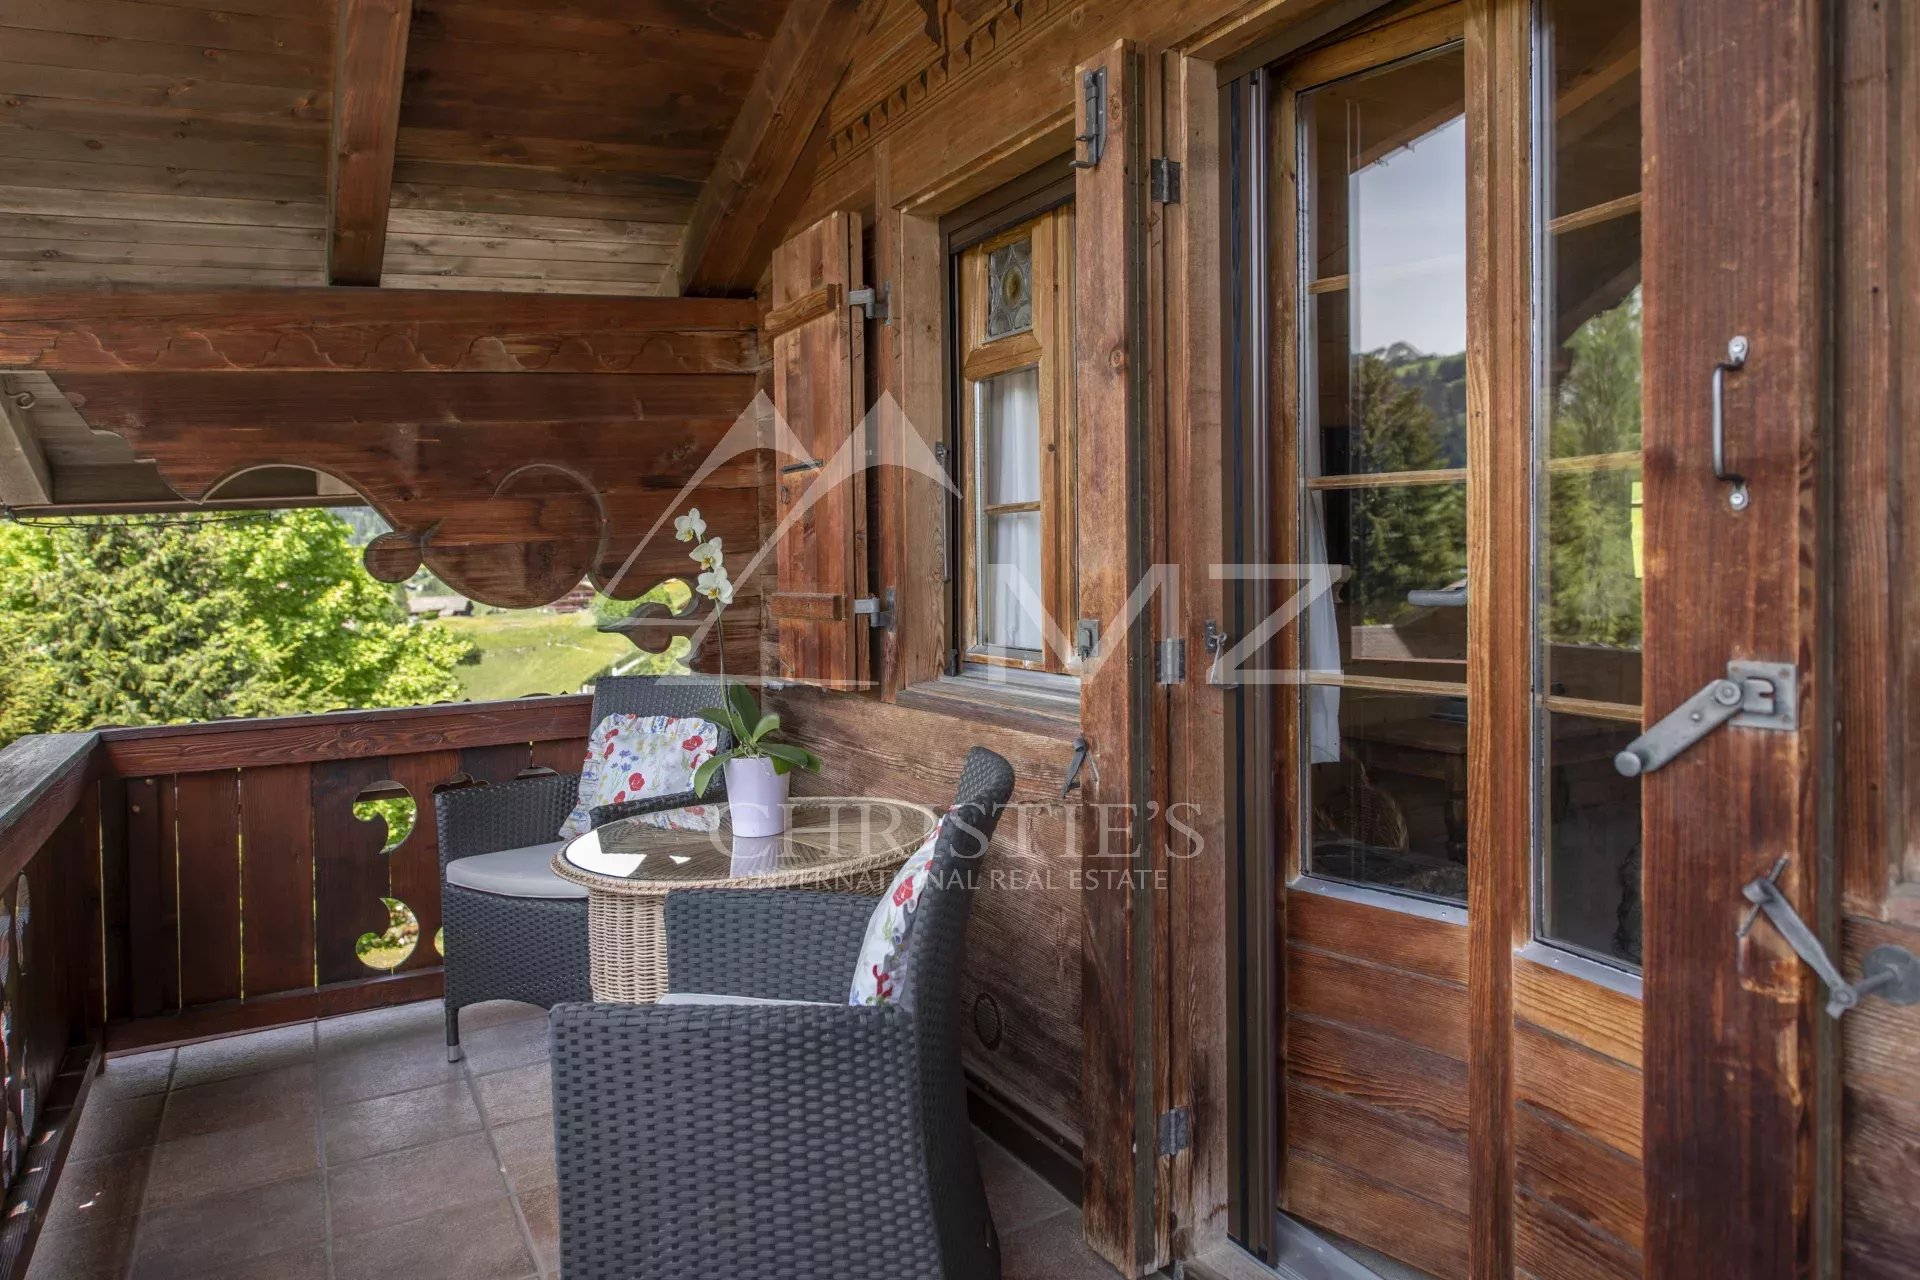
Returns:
(169,884)
(250,882)
(50,1000)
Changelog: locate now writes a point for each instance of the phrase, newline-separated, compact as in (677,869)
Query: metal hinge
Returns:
(876,303)
(1163,180)
(1176,1131)
(1170,660)
(1889,972)
(1094,85)
(869,607)
(1217,646)
(1754,695)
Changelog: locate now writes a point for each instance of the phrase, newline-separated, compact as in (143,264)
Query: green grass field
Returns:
(528,653)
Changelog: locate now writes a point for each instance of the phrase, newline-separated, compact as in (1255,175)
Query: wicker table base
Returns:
(824,850)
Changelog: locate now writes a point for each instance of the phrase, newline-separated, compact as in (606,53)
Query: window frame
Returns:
(1041,201)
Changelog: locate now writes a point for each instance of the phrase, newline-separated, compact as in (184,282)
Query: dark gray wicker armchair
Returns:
(782,1139)
(514,930)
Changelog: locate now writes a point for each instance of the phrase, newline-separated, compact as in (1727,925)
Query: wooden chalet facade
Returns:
(1384,951)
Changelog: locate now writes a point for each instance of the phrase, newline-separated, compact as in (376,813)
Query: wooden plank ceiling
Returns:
(544,145)
(209,149)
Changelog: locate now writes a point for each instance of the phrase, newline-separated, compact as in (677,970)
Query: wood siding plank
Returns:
(207,835)
(350,872)
(277,878)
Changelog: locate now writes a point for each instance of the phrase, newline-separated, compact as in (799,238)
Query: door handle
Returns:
(1736,359)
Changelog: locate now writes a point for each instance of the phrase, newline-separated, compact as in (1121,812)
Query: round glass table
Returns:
(847,844)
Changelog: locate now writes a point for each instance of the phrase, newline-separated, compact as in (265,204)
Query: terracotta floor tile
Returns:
(526,1152)
(359,1130)
(541,1209)
(286,1093)
(89,1251)
(309,1262)
(510,1044)
(376,1193)
(99,1189)
(1051,1250)
(132,1076)
(243,1055)
(1016,1195)
(479,1241)
(190,1240)
(109,1125)
(378,1070)
(517,1094)
(228,1160)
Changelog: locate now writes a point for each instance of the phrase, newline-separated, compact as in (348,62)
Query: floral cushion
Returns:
(635,757)
(883,954)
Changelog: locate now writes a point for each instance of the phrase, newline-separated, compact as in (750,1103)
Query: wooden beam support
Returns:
(25,479)
(731,235)
(358,331)
(369,69)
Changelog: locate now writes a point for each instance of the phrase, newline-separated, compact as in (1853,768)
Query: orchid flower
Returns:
(707,554)
(716,586)
(690,527)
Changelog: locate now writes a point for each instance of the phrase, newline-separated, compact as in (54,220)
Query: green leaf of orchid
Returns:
(703,776)
(790,756)
(769,723)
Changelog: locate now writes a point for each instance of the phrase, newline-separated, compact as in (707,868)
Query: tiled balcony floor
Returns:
(352,1150)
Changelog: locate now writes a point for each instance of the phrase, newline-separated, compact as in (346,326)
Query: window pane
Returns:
(1010,594)
(1590,554)
(1383,438)
(1591,885)
(1009,412)
(1389,783)
(1010,289)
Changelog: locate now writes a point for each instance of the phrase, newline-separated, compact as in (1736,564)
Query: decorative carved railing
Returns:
(267,871)
(50,1003)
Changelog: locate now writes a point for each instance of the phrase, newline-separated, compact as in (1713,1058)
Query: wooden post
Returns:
(1735,245)
(1118,987)
(369,70)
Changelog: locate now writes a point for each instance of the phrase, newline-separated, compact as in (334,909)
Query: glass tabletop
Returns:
(697,844)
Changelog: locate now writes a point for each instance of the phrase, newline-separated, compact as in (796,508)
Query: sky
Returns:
(1410,239)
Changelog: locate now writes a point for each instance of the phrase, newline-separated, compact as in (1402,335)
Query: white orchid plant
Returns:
(753,730)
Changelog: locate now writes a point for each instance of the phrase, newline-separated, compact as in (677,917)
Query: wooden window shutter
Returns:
(819,387)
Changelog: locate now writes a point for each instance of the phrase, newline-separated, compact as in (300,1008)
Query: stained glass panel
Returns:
(1010,289)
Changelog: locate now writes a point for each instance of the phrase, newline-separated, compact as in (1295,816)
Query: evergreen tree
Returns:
(1594,592)
(115,623)
(1405,538)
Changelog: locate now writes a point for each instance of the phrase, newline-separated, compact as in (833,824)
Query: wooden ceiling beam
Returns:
(25,478)
(362,331)
(369,69)
(731,233)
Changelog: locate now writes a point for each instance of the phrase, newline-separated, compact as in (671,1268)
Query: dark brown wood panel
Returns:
(1402,1151)
(562,755)
(1732,1107)
(1588,1180)
(1550,1245)
(276,878)
(1579,1088)
(1122,1021)
(207,843)
(414,867)
(153,926)
(1373,998)
(368,72)
(1402,940)
(350,872)
(1407,1227)
(819,387)
(343,735)
(1598,1017)
(1383,1072)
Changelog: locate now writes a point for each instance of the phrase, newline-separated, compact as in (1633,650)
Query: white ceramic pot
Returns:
(757,797)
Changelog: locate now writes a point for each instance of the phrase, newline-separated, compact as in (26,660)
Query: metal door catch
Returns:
(878,613)
(1093,86)
(1754,695)
(1892,973)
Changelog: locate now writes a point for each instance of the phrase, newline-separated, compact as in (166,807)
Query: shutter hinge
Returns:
(1170,660)
(870,607)
(1176,1131)
(1163,180)
(1093,86)
(877,303)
